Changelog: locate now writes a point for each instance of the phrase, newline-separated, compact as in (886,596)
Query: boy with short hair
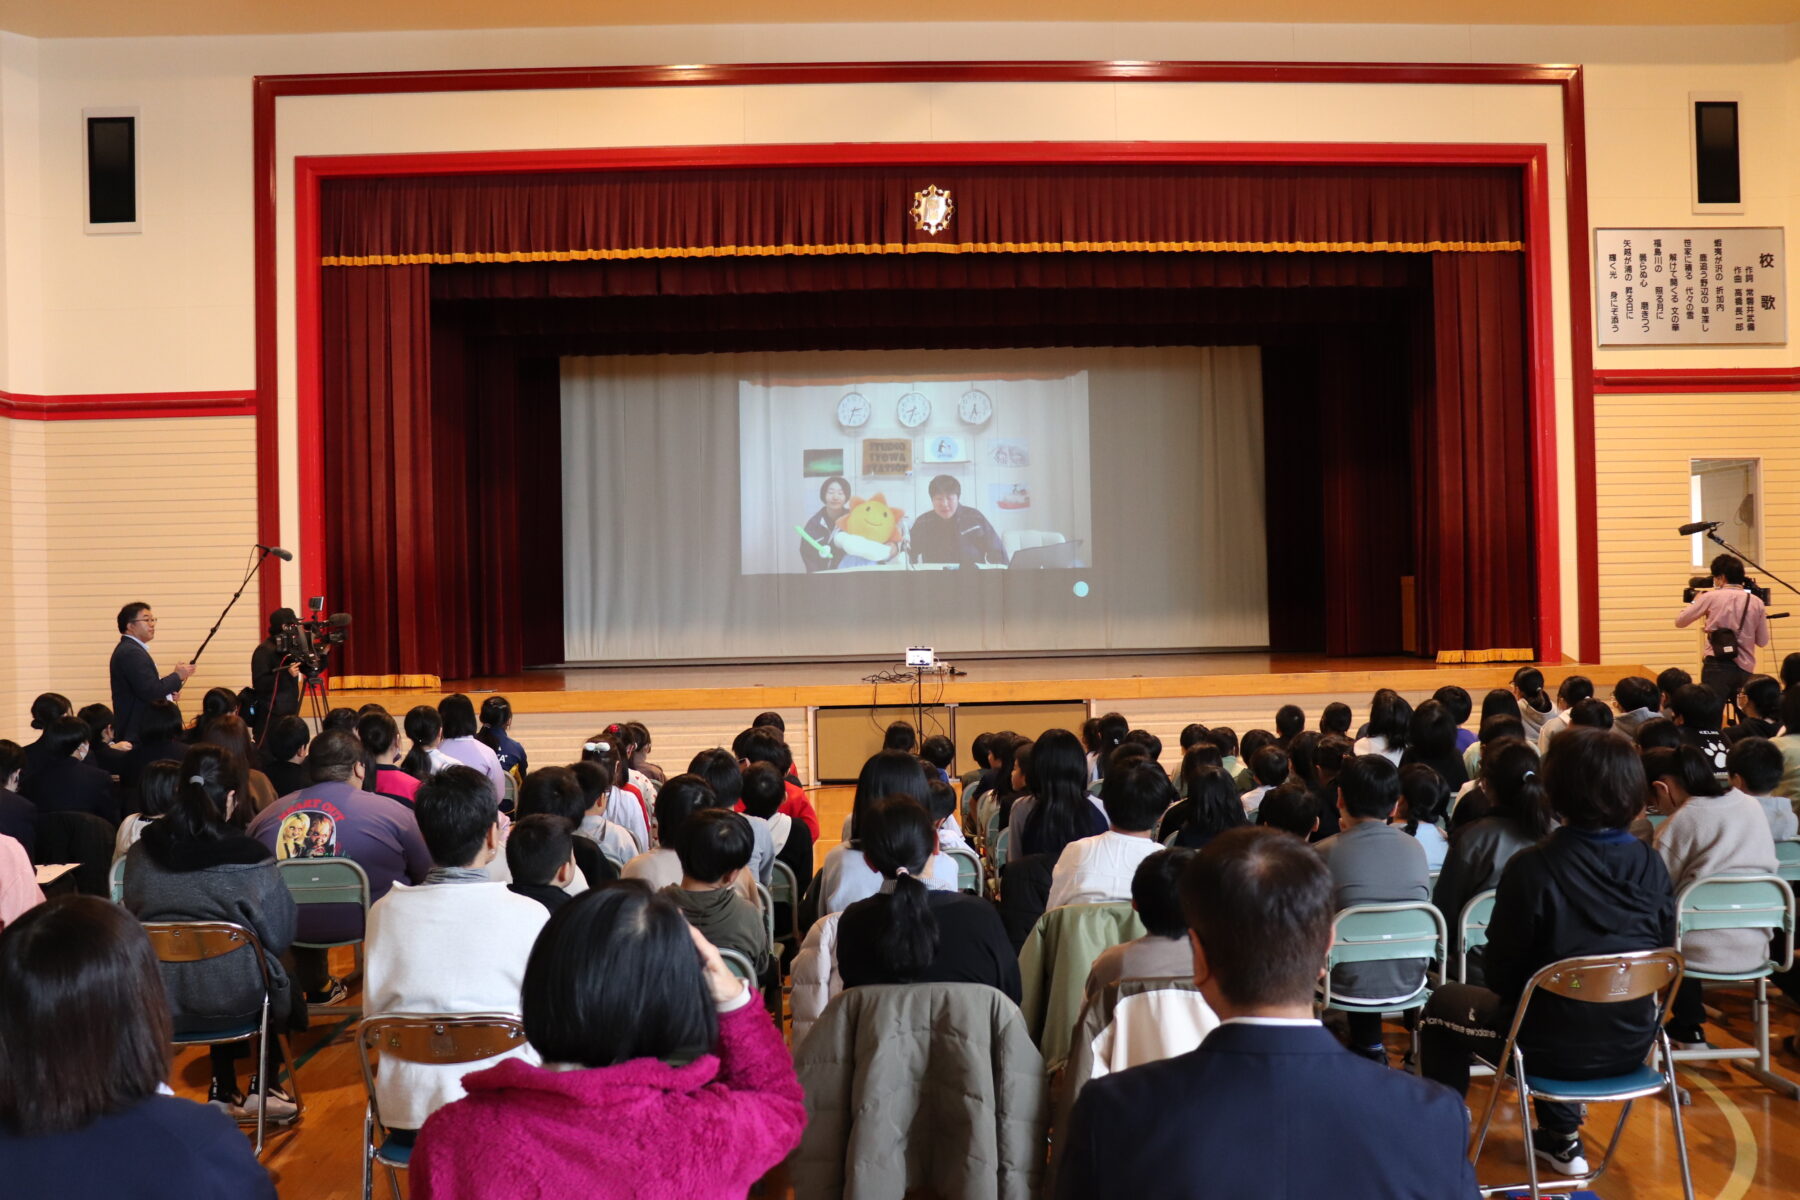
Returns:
(938,752)
(1700,712)
(1335,719)
(1759,709)
(714,846)
(1373,862)
(1270,768)
(1226,739)
(1753,767)
(940,802)
(1099,869)
(540,854)
(1635,698)
(1290,808)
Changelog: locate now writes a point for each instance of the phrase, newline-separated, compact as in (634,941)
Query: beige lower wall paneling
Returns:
(1643,446)
(110,511)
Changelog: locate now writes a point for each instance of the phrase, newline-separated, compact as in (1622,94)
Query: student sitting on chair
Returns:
(714,847)
(1099,869)
(1710,831)
(1590,888)
(1753,767)
(540,854)
(455,943)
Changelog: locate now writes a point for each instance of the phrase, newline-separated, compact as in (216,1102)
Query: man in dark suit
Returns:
(134,679)
(1270,1105)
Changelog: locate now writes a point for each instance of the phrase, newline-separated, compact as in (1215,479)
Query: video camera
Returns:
(309,642)
(1704,583)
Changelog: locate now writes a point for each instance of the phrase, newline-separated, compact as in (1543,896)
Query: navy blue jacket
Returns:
(1278,1113)
(161,1148)
(135,685)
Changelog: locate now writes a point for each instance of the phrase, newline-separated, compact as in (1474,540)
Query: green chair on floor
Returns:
(1386,933)
(1764,903)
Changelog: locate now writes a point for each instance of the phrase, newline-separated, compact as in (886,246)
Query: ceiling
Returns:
(140,18)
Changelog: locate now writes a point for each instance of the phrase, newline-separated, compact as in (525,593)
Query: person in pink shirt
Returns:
(662,1077)
(19,889)
(1728,606)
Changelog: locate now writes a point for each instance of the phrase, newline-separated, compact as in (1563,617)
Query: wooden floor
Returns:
(1744,1141)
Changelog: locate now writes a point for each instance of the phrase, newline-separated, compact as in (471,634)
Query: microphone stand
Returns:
(248,575)
(1712,535)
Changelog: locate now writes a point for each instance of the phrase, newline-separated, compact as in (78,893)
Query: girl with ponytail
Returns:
(496,721)
(193,864)
(908,933)
(1534,702)
(425,729)
(1515,815)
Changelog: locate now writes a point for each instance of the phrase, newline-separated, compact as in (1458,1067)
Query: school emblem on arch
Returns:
(932,209)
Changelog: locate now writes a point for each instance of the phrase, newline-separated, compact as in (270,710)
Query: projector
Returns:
(921,656)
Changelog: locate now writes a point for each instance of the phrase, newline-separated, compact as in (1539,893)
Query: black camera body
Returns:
(309,642)
(1704,583)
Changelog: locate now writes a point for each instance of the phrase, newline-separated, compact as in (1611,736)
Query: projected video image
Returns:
(875,475)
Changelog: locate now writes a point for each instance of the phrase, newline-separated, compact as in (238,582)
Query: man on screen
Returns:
(952,532)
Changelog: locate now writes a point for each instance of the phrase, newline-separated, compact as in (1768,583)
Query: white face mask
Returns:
(81,752)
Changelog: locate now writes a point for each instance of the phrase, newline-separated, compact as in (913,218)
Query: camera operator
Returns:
(274,677)
(1736,624)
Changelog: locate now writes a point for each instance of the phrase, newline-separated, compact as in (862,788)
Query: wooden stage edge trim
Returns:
(1349,685)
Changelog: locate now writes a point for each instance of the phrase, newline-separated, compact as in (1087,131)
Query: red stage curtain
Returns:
(381,551)
(865,210)
(1472,442)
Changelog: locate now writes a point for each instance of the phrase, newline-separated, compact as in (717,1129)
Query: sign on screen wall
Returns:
(1690,287)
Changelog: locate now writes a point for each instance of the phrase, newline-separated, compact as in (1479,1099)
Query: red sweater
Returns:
(640,1130)
(800,808)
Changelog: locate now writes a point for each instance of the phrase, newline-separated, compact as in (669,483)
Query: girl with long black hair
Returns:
(908,932)
(1057,809)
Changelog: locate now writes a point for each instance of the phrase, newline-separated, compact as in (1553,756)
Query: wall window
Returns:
(1726,490)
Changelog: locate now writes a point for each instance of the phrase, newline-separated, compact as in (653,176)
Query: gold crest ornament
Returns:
(932,209)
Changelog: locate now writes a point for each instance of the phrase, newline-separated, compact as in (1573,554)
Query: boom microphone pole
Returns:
(278,552)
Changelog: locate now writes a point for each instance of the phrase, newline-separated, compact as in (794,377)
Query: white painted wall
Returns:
(171,309)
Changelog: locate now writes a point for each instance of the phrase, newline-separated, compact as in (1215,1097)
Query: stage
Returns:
(834,716)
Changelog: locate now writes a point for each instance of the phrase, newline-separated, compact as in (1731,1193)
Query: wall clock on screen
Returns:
(914,409)
(975,407)
(853,410)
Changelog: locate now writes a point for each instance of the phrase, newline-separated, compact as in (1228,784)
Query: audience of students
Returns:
(1390,720)
(284,754)
(1571,691)
(557,792)
(1758,704)
(846,876)
(496,722)
(1056,808)
(64,781)
(155,793)
(1431,742)
(454,941)
(763,793)
(1212,805)
(1753,768)
(425,730)
(380,736)
(1635,698)
(18,816)
(1269,768)
(1291,809)
(460,744)
(1163,952)
(1535,705)
(84,1068)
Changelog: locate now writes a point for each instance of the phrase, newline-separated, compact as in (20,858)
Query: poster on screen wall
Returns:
(1690,287)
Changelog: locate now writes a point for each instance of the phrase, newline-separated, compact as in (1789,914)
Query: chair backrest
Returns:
(1736,902)
(439,1039)
(118,880)
(1605,978)
(1380,932)
(1471,928)
(1001,845)
(1787,859)
(198,941)
(991,830)
(739,964)
(325,880)
(765,900)
(784,888)
(968,869)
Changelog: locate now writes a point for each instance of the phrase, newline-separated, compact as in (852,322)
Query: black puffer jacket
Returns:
(1579,892)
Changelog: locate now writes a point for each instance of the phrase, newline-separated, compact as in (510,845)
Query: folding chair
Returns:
(1787,859)
(438,1039)
(1761,902)
(202,941)
(329,881)
(969,877)
(1471,930)
(1000,849)
(991,830)
(1593,979)
(766,901)
(739,964)
(118,880)
(784,888)
(1384,933)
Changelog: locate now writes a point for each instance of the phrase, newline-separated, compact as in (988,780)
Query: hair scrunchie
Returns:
(197,779)
(901,871)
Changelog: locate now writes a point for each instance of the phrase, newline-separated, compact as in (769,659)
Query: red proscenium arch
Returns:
(308,172)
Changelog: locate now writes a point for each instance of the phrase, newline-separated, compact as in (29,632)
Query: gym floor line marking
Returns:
(1743,1166)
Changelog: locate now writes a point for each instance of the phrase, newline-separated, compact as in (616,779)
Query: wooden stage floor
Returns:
(687,686)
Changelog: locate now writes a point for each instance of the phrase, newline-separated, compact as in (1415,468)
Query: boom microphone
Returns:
(339,621)
(1696,527)
(277,551)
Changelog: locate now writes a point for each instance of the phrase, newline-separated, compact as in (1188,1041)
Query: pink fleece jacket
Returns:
(641,1130)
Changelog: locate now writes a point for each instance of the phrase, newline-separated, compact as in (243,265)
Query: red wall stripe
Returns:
(115,406)
(1718,379)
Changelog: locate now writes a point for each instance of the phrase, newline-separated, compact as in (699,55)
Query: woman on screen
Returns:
(835,495)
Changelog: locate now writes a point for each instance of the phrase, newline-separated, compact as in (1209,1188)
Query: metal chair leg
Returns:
(1764,1069)
(1531,1171)
(394,1179)
(368,1155)
(1487,1116)
(1681,1151)
(262,1078)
